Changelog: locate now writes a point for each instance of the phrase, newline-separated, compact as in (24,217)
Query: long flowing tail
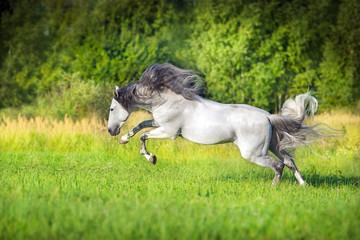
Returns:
(288,126)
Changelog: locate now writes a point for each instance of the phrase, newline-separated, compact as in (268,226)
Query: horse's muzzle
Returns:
(114,133)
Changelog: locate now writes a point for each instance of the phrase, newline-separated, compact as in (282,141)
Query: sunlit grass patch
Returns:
(71,180)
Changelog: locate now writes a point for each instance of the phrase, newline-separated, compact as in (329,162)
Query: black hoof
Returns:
(152,159)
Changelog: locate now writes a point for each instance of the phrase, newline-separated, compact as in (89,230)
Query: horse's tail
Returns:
(288,127)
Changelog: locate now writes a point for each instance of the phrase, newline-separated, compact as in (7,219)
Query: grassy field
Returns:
(71,180)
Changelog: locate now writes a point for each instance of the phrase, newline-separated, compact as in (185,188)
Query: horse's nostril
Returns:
(109,130)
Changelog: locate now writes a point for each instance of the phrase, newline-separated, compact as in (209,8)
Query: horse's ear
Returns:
(116,94)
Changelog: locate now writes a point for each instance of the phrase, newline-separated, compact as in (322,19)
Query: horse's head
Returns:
(117,116)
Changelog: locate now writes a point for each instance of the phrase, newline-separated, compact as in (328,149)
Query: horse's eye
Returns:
(111,109)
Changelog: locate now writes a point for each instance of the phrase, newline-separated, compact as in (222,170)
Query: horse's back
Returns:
(249,107)
(210,122)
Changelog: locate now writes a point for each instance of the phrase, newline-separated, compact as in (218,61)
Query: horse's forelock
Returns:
(126,95)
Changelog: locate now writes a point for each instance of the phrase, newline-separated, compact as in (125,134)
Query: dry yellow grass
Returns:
(48,125)
(339,119)
(47,134)
(92,124)
(349,130)
(21,130)
(21,124)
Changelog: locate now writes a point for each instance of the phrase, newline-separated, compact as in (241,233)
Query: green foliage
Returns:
(255,52)
(340,70)
(75,97)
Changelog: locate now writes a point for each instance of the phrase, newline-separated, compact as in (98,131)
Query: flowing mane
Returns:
(158,77)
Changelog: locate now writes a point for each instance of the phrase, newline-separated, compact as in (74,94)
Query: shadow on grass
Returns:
(315,180)
(332,180)
(321,180)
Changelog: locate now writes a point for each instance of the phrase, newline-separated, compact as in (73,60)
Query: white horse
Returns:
(172,95)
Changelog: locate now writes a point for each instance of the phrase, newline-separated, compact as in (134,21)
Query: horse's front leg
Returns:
(145,124)
(155,133)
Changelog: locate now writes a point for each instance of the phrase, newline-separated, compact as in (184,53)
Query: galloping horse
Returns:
(173,96)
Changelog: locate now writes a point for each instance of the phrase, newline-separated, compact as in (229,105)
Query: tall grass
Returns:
(71,180)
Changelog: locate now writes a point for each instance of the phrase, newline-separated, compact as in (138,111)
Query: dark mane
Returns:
(158,77)
(126,95)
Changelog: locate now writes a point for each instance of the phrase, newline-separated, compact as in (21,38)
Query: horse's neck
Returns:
(144,105)
(147,103)
(164,100)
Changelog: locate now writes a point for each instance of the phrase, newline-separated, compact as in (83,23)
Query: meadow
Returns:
(71,180)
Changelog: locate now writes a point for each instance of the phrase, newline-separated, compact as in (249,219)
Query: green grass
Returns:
(58,183)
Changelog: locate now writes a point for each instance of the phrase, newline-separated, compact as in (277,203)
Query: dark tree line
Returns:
(256,52)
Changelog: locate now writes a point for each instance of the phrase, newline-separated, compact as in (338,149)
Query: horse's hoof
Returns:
(123,141)
(275,184)
(152,159)
(305,184)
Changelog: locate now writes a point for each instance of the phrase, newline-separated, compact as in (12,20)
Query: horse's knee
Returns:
(143,137)
(280,167)
(277,166)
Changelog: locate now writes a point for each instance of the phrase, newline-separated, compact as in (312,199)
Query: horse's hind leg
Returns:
(268,161)
(264,160)
(288,161)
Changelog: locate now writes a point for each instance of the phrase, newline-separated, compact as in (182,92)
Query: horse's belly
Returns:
(208,134)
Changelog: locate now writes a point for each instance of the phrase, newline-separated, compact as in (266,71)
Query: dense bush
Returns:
(75,97)
(256,52)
